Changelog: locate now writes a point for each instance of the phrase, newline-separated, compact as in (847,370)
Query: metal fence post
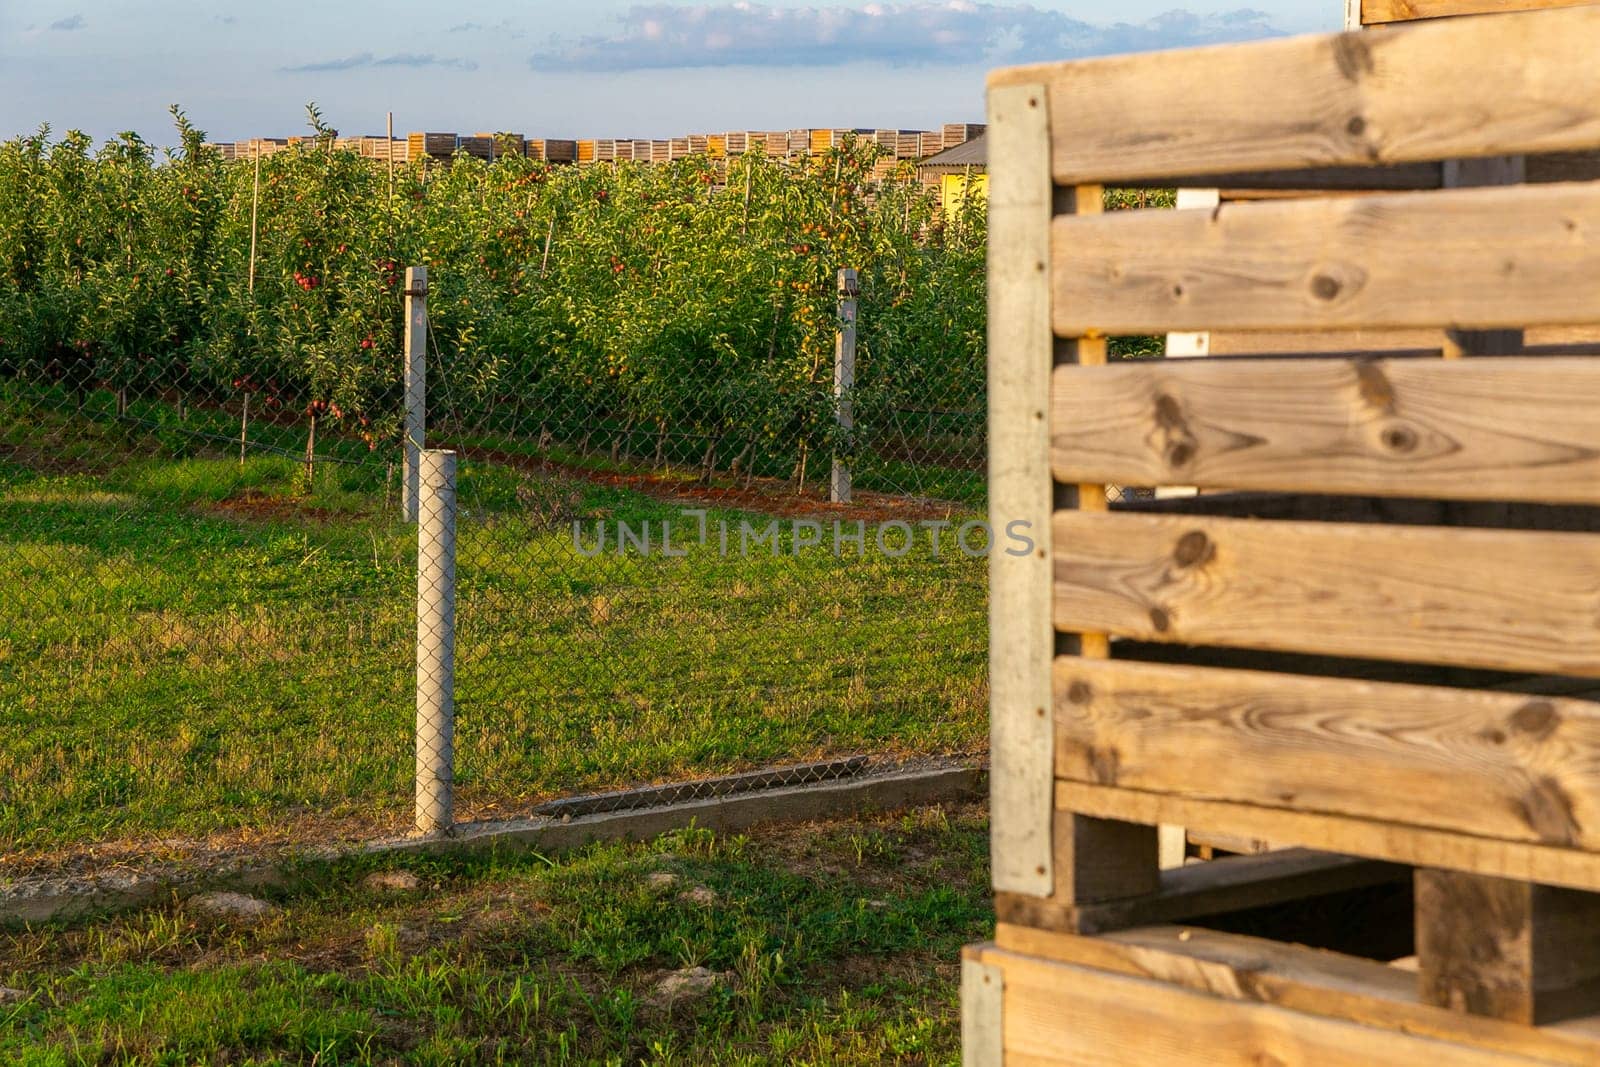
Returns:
(844,380)
(436,639)
(416,294)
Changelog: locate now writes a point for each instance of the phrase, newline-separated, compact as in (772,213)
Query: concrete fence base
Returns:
(46,899)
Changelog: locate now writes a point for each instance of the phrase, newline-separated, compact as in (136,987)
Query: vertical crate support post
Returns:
(1022,640)
(844,380)
(416,345)
(436,638)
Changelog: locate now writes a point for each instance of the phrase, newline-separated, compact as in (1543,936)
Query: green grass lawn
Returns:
(189,646)
(831,943)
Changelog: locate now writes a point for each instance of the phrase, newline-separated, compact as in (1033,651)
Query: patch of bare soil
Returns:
(768,496)
(261,507)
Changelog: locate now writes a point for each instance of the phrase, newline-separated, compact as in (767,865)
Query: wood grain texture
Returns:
(1490,764)
(982,1001)
(1238,967)
(1352,342)
(1378,12)
(1511,600)
(1400,843)
(1467,258)
(1102,859)
(1058,1013)
(1525,428)
(1544,340)
(1433,91)
(1021,351)
(1507,949)
(1232,884)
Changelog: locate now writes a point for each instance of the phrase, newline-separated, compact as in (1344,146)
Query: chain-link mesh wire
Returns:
(211,615)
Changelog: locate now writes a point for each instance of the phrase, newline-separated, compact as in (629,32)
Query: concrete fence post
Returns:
(416,373)
(844,380)
(436,640)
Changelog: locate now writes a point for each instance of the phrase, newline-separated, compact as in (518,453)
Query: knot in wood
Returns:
(1325,287)
(1399,438)
(1537,718)
(1193,548)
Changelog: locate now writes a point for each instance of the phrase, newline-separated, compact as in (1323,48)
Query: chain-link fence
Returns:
(210,630)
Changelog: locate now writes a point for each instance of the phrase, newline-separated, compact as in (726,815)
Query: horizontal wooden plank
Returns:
(1417,342)
(1456,88)
(1239,967)
(1523,428)
(1499,765)
(1235,883)
(1399,843)
(1058,1013)
(1500,256)
(1540,340)
(1510,600)
(1378,12)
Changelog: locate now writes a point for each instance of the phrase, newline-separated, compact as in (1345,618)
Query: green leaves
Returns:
(691,302)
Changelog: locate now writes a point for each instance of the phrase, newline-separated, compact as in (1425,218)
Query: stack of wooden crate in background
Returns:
(777,144)
(1373,633)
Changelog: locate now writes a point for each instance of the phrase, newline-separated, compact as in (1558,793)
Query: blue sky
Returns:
(603,68)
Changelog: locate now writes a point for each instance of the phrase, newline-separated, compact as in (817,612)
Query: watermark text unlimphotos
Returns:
(896,538)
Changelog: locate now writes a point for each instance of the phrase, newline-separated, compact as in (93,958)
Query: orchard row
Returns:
(693,301)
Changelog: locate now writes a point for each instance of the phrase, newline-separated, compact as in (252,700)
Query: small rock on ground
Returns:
(231,905)
(699,895)
(10,996)
(392,882)
(689,984)
(661,880)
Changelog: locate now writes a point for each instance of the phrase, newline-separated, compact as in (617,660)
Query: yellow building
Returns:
(958,172)
(955,188)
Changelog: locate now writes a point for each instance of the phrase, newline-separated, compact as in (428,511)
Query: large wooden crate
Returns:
(437,145)
(958,133)
(1374,635)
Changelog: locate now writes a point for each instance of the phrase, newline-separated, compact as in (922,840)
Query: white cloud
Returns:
(665,36)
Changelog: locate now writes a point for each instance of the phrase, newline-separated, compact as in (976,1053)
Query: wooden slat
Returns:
(1470,258)
(1492,764)
(1378,12)
(1469,87)
(981,1005)
(1232,884)
(1523,428)
(1416,342)
(1510,600)
(1021,351)
(1359,837)
(1238,967)
(1057,1013)
(1544,340)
